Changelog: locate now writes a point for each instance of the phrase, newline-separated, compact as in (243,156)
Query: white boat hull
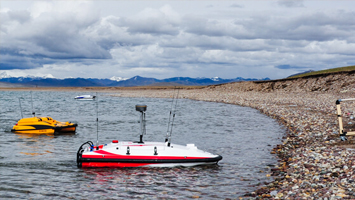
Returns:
(147,154)
(85,98)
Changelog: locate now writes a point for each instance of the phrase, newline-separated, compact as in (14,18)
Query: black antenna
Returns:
(97,123)
(171,111)
(20,107)
(33,113)
(172,121)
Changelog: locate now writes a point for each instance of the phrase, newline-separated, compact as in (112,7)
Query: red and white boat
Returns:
(143,154)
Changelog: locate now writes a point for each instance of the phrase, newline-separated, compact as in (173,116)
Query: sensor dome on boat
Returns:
(141,108)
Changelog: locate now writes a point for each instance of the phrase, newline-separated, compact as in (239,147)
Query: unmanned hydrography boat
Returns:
(85,97)
(143,154)
(43,125)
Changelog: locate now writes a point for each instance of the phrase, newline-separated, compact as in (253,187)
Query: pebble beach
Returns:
(314,163)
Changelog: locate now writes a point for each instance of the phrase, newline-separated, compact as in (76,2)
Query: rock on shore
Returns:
(313,161)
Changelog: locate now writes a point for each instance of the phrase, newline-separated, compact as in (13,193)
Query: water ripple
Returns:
(44,167)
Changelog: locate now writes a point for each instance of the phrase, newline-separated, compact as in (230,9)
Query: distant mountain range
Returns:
(49,81)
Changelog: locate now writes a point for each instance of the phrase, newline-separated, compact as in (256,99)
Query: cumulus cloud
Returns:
(49,31)
(153,21)
(234,5)
(9,62)
(19,16)
(291,3)
(288,67)
(165,38)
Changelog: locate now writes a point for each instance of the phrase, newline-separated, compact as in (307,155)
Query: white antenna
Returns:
(97,123)
(20,107)
(33,113)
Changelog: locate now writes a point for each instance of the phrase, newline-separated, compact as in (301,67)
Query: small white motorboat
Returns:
(143,154)
(85,97)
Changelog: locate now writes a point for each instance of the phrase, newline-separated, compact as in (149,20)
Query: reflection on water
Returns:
(34,136)
(42,166)
(34,144)
(156,182)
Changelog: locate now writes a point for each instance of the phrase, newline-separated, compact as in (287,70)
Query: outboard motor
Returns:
(142,109)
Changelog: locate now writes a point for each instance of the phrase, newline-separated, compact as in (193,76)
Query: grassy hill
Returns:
(326,71)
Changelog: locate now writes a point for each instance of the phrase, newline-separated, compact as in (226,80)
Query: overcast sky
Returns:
(163,39)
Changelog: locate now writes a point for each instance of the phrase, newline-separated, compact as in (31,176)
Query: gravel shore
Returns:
(313,161)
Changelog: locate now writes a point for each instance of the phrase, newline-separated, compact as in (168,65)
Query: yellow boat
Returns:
(43,125)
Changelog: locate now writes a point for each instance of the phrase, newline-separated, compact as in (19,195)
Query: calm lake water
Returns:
(44,167)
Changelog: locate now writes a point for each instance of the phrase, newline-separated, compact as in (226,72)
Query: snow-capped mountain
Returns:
(116,78)
(48,76)
(50,81)
(4,75)
(216,78)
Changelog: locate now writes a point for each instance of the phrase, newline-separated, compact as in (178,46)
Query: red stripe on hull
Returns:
(102,154)
(114,165)
(116,156)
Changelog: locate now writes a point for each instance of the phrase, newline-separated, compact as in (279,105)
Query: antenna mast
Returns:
(20,107)
(171,122)
(142,109)
(171,109)
(33,113)
(97,123)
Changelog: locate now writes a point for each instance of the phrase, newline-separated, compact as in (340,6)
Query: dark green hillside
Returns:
(326,71)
